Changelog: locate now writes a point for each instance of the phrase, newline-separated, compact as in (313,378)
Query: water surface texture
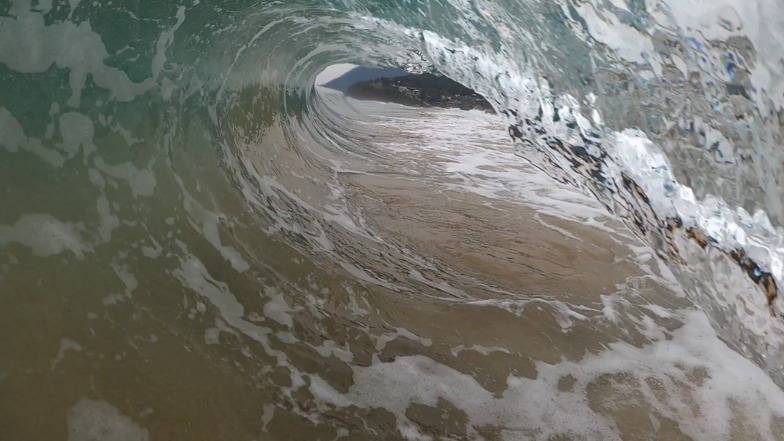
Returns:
(197,242)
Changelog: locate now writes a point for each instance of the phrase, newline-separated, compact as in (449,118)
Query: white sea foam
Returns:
(689,377)
(45,235)
(472,153)
(94,420)
(141,181)
(67,45)
(65,346)
(13,138)
(632,153)
(208,222)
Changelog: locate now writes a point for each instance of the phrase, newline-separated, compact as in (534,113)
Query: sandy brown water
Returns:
(490,319)
(152,363)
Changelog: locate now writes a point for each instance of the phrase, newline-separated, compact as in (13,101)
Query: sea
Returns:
(200,241)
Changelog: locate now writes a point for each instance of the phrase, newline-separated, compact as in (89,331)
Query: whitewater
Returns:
(200,241)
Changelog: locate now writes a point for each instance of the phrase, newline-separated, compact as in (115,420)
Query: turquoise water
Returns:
(197,242)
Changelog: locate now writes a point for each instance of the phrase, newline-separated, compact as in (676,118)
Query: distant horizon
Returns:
(349,75)
(334,72)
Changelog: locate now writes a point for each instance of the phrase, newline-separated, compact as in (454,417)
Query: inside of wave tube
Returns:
(192,243)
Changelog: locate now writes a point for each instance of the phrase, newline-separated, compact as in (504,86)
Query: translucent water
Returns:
(197,242)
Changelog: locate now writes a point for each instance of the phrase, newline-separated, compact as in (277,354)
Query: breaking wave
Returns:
(173,169)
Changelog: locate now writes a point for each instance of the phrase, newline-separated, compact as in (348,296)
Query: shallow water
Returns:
(196,242)
(498,309)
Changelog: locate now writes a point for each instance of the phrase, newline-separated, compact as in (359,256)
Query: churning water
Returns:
(199,243)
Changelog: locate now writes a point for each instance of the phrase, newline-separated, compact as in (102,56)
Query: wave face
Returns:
(196,239)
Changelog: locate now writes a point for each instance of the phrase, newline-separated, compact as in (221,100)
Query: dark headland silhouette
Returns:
(398,86)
